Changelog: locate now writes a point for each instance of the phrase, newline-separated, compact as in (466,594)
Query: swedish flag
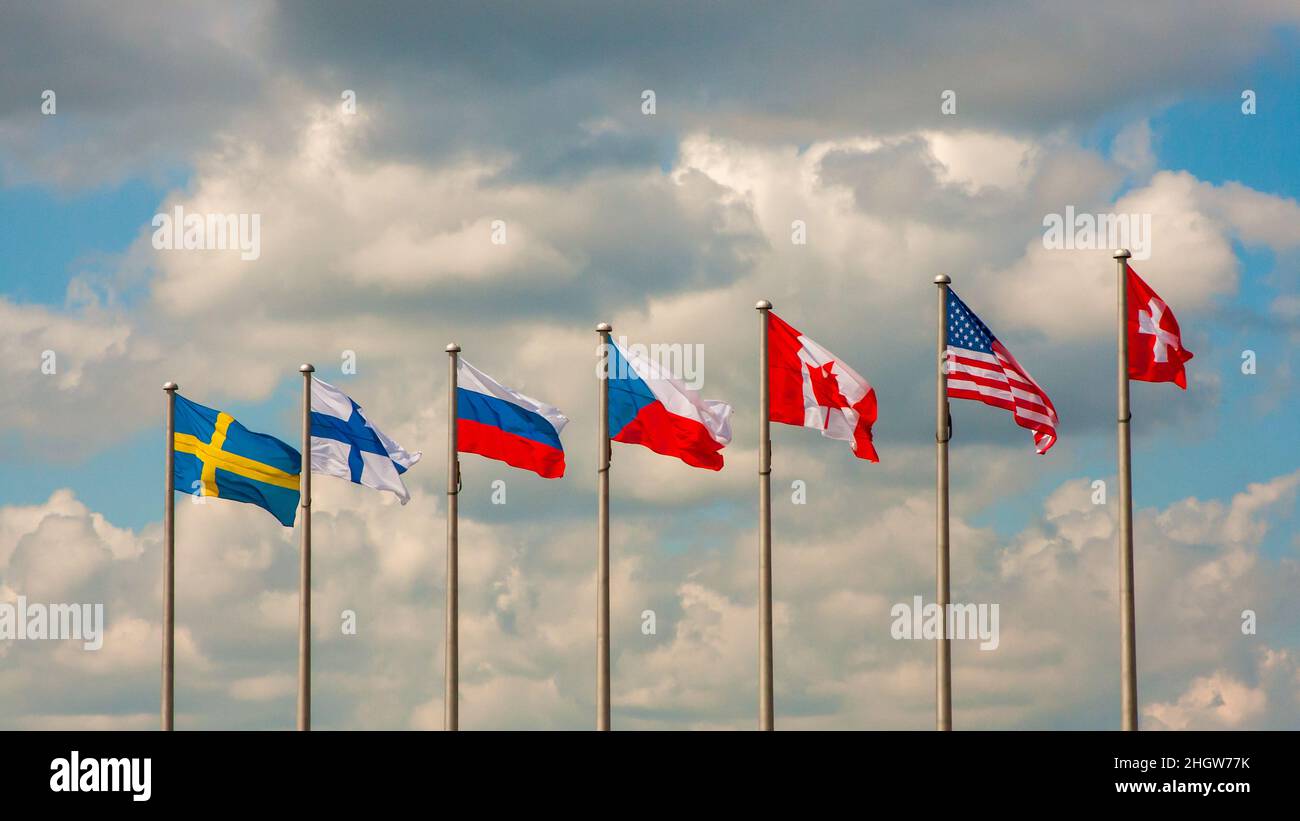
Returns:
(217,456)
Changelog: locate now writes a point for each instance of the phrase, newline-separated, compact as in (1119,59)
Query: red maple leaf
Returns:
(826,387)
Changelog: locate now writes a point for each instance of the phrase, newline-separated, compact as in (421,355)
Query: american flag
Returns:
(980,368)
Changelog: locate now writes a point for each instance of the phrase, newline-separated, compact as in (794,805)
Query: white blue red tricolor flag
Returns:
(650,407)
(981,368)
(346,445)
(501,423)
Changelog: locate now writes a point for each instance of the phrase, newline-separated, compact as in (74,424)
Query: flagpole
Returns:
(942,433)
(1128,626)
(169,568)
(765,706)
(602,531)
(451,698)
(304,559)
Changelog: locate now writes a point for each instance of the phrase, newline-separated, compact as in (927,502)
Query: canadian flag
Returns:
(1155,345)
(811,387)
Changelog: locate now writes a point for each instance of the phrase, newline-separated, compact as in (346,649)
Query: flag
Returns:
(652,408)
(981,368)
(1155,345)
(813,388)
(217,456)
(346,445)
(501,423)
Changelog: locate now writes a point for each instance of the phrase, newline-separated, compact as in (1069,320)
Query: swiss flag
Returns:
(1155,345)
(811,387)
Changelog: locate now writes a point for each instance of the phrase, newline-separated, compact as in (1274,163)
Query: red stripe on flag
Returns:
(671,435)
(784,372)
(1007,376)
(516,451)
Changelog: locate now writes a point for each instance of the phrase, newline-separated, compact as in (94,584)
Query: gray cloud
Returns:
(526,627)
(139,83)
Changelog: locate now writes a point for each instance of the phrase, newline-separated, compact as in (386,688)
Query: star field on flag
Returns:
(982,369)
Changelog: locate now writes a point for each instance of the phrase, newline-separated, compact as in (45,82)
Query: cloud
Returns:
(1220,701)
(1070,293)
(140,86)
(1132,149)
(51,361)
(526,636)
(137,87)
(264,688)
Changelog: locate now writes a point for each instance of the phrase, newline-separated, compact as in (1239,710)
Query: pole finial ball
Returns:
(943,279)
(604,328)
(762,305)
(1122,254)
(170,386)
(452,347)
(306,367)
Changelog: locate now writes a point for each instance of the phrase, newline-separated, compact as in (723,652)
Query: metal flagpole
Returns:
(451,696)
(765,706)
(942,433)
(169,567)
(1128,628)
(602,531)
(304,560)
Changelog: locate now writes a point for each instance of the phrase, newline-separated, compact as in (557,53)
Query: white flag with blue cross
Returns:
(346,445)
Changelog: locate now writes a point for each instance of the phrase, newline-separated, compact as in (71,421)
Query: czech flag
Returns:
(501,423)
(649,407)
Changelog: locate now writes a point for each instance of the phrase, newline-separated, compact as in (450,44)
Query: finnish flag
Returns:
(346,445)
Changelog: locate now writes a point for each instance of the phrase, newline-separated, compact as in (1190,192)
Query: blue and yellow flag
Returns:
(217,456)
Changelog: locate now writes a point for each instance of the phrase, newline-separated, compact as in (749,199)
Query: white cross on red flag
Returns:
(1155,345)
(811,387)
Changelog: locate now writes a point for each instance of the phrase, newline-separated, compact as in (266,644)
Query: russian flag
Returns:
(652,408)
(501,423)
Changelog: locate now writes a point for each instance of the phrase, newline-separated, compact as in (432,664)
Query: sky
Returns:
(381,146)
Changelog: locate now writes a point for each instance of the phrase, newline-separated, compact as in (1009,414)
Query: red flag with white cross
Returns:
(1155,345)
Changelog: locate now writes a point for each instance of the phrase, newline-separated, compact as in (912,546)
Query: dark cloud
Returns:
(789,71)
(138,87)
(138,81)
(903,181)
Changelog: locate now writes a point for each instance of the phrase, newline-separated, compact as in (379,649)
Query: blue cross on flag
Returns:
(346,445)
